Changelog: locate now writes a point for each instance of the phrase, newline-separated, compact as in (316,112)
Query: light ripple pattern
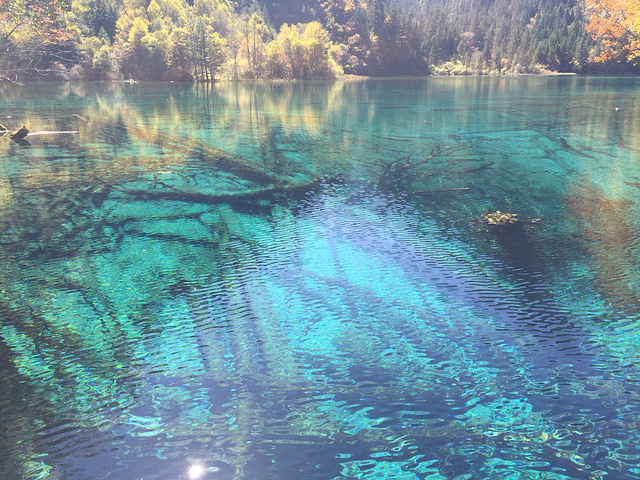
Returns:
(224,282)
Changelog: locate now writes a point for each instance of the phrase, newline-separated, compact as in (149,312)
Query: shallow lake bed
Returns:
(270,280)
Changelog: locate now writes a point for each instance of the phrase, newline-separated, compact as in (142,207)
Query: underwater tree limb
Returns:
(564,145)
(403,169)
(438,190)
(226,161)
(194,147)
(437,152)
(254,194)
(472,169)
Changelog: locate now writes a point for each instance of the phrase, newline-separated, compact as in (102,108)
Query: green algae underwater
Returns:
(299,281)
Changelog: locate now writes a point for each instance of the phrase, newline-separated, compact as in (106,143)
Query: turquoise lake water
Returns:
(300,281)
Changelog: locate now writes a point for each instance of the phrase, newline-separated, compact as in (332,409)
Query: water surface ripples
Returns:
(249,297)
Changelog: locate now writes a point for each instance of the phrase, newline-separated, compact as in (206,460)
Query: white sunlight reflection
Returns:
(196,471)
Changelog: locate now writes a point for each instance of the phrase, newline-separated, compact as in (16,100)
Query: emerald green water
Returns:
(268,282)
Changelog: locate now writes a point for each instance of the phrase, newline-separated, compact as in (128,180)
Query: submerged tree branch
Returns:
(402,170)
(437,152)
(269,193)
(226,161)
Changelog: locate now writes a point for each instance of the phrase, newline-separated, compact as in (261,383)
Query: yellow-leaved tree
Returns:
(617,24)
(302,51)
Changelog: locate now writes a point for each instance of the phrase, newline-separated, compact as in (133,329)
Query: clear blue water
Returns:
(268,282)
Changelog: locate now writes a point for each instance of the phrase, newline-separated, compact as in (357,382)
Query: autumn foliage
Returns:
(22,19)
(617,24)
(34,38)
(201,40)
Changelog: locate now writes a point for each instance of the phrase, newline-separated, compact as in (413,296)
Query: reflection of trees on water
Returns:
(609,236)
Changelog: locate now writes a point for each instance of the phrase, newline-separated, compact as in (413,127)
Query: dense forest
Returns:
(203,40)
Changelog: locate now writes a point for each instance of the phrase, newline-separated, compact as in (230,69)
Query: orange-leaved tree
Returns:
(31,33)
(35,17)
(617,24)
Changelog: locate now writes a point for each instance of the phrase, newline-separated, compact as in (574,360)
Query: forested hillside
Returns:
(204,40)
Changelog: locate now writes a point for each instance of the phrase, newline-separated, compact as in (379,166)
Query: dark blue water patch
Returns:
(541,335)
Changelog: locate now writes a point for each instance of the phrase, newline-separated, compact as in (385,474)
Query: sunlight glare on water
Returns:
(299,281)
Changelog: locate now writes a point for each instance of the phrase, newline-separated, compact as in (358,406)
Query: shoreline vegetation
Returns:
(209,40)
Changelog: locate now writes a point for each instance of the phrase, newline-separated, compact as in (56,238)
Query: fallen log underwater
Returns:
(195,147)
(24,132)
(52,132)
(199,197)
(270,184)
(226,161)
(563,144)
(398,173)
